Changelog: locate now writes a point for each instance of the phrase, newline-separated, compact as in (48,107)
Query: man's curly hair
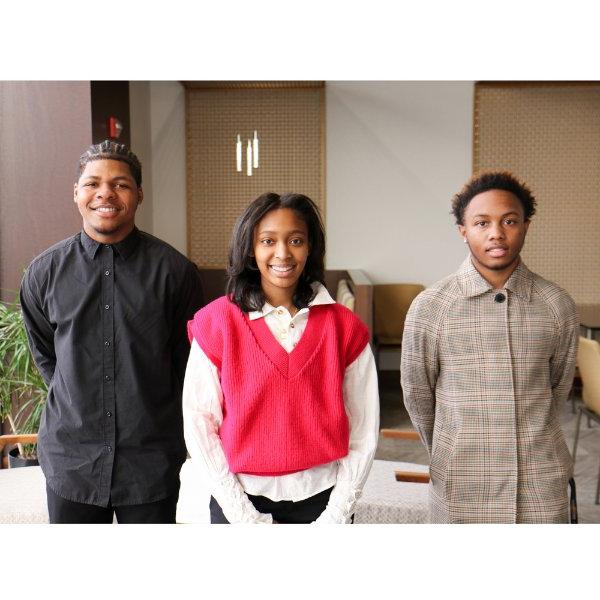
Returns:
(109,150)
(492,180)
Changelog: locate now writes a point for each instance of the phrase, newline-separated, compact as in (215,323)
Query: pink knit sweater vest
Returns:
(282,412)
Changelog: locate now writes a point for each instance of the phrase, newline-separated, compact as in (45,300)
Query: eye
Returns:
(297,242)
(480,223)
(266,241)
(122,186)
(510,222)
(89,184)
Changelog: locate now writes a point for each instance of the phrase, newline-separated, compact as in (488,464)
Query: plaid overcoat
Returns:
(484,383)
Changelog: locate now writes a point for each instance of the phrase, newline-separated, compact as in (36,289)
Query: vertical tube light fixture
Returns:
(252,154)
(238,154)
(255,149)
(249,159)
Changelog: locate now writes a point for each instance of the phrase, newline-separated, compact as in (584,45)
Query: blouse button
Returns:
(292,325)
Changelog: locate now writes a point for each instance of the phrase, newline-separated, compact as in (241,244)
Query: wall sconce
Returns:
(251,154)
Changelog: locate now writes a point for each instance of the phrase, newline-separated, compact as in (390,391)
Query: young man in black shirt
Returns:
(106,313)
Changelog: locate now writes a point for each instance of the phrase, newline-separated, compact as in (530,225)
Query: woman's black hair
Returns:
(243,283)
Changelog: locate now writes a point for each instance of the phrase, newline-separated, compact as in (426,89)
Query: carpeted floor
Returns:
(394,416)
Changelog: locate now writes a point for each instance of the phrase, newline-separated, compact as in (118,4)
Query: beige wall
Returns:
(396,153)
(157,110)
(141,144)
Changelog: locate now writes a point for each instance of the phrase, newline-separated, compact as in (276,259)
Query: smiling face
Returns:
(280,250)
(494,228)
(107,197)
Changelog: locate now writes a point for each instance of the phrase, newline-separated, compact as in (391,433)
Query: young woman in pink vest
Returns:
(280,401)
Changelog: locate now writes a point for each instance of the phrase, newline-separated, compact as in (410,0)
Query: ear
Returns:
(462,231)
(140,196)
(526,223)
(75,192)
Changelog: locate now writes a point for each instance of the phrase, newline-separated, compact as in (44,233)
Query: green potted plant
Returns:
(22,389)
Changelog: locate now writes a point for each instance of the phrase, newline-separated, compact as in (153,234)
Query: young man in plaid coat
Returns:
(488,356)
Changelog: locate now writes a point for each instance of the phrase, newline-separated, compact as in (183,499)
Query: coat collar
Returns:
(472,284)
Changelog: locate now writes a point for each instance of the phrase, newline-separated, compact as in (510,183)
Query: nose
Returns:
(104,191)
(282,250)
(496,231)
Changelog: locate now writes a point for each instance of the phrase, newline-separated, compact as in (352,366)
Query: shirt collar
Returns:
(124,248)
(473,284)
(322,296)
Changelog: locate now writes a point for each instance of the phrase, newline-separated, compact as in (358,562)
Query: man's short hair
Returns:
(109,150)
(492,180)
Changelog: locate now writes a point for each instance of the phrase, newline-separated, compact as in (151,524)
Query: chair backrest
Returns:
(344,295)
(391,302)
(588,361)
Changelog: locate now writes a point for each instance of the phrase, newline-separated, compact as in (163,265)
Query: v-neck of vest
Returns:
(290,364)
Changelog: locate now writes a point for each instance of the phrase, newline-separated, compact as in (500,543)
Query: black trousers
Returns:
(61,510)
(284,511)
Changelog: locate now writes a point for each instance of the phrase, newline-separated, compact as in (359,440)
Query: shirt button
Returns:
(108,414)
(279,312)
(107,272)
(107,377)
(109,449)
(107,343)
(106,246)
(107,307)
(292,325)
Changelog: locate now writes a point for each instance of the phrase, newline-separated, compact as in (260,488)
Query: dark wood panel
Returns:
(110,99)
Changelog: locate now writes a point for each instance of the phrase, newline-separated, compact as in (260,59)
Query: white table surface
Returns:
(384,500)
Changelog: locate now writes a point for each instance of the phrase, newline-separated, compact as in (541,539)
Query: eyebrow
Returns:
(512,212)
(294,232)
(125,177)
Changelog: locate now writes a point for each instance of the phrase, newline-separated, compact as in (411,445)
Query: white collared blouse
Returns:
(202,412)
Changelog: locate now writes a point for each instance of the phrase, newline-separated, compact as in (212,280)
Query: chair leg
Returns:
(575,442)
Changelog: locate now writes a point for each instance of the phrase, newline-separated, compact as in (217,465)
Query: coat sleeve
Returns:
(419,367)
(40,332)
(562,363)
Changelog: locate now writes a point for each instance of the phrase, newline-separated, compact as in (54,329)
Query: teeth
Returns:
(105,209)
(281,269)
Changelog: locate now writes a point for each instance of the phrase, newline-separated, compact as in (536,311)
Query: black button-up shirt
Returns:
(107,329)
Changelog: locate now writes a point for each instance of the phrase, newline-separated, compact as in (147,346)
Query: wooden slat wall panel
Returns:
(289,122)
(548,134)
